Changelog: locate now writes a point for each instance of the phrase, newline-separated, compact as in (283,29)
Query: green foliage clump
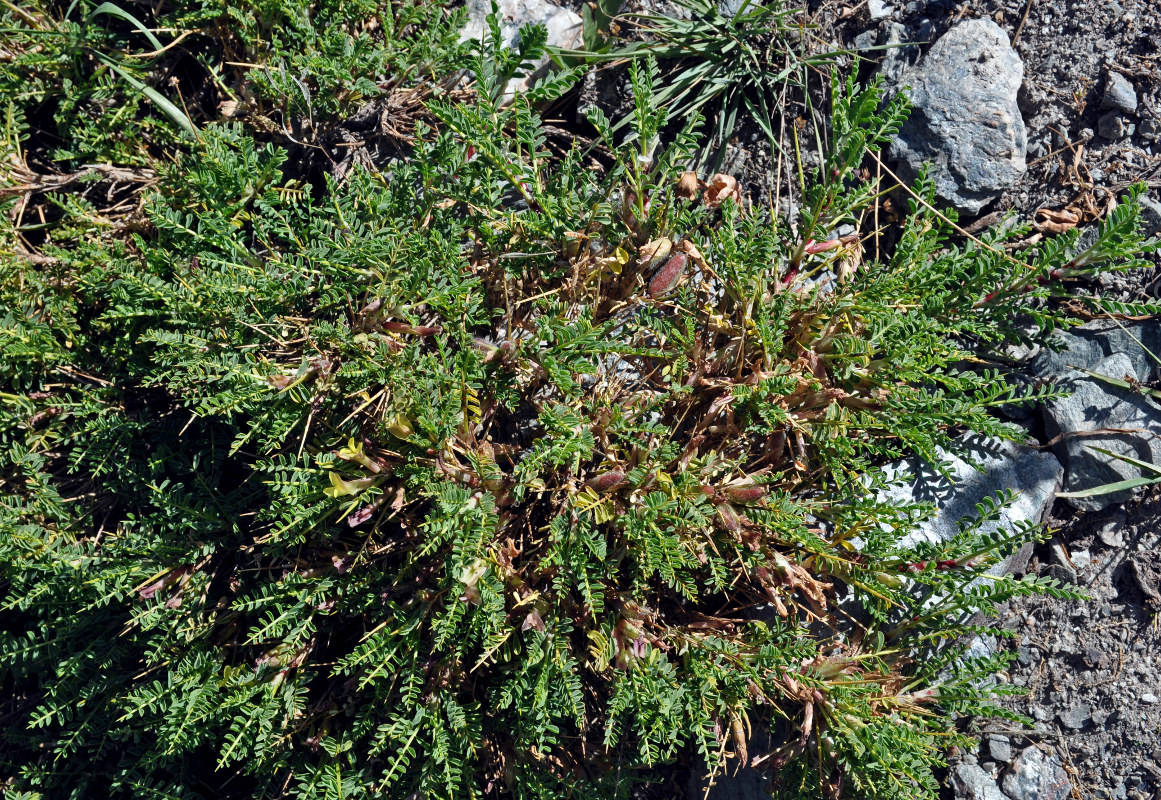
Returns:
(495,473)
(106,82)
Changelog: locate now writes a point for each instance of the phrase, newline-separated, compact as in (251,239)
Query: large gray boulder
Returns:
(1033,476)
(563,26)
(1098,415)
(964,119)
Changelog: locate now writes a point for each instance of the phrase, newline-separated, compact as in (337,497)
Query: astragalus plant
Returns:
(496,473)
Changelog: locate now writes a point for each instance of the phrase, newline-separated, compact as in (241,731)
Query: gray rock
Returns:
(1096,417)
(1033,475)
(1061,572)
(1036,776)
(999,748)
(1111,126)
(964,119)
(1028,655)
(1088,344)
(1150,129)
(880,10)
(1076,717)
(1149,698)
(866,40)
(971,782)
(563,26)
(1119,94)
(1082,559)
(1150,216)
(1110,536)
(899,55)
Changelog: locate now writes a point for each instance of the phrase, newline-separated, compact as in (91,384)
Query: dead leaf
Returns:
(1057,220)
(688,186)
(533,620)
(721,187)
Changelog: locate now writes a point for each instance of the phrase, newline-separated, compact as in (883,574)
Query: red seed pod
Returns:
(414,330)
(820,247)
(667,277)
(607,481)
(745,494)
(790,276)
(42,416)
(729,517)
(629,211)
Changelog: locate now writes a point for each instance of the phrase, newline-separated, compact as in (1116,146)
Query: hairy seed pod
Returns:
(813,247)
(739,735)
(667,277)
(607,481)
(886,578)
(572,244)
(414,330)
(401,426)
(651,254)
(745,494)
(629,211)
(729,518)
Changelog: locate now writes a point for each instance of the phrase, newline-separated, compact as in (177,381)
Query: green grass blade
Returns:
(157,98)
(1110,488)
(116,11)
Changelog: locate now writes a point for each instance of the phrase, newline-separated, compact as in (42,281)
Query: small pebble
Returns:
(1119,94)
(1149,697)
(1027,656)
(1076,717)
(999,748)
(1110,536)
(1111,126)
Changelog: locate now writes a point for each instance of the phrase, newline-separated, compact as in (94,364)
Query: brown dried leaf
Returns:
(688,186)
(1058,220)
(721,187)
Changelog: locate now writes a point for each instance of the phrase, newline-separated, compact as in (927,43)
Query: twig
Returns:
(941,215)
(1023,19)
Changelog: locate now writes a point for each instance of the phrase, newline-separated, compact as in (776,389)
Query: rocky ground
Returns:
(1090,670)
(1090,103)
(1047,109)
